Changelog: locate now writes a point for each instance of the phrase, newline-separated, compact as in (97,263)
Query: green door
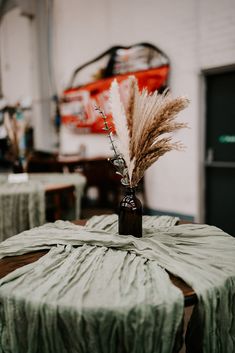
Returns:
(220,151)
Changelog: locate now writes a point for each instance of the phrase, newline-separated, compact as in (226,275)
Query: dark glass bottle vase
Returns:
(130,215)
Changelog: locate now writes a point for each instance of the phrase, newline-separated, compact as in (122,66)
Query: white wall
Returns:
(16,56)
(82,34)
(195,34)
(21,60)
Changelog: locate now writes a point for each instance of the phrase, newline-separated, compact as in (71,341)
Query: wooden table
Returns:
(38,192)
(55,191)
(9,264)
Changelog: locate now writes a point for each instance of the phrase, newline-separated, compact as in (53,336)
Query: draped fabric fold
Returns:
(86,297)
(96,291)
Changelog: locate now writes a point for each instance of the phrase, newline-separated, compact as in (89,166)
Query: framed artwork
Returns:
(90,83)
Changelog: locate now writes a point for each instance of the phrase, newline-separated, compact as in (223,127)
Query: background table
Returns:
(23,205)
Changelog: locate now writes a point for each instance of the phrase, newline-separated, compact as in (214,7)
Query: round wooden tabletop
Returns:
(9,264)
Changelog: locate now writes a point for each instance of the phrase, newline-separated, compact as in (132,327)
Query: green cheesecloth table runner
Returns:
(96,291)
(22,205)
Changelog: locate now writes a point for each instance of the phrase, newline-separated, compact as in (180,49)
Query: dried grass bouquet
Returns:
(144,124)
(16,124)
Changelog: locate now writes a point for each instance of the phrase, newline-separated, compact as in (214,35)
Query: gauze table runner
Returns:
(96,291)
(22,205)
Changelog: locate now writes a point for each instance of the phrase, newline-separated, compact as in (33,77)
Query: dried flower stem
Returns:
(107,128)
(117,160)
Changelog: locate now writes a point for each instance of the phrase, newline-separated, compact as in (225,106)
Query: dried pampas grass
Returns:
(144,126)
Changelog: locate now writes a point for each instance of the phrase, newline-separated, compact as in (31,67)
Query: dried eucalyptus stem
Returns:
(118,161)
(108,130)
